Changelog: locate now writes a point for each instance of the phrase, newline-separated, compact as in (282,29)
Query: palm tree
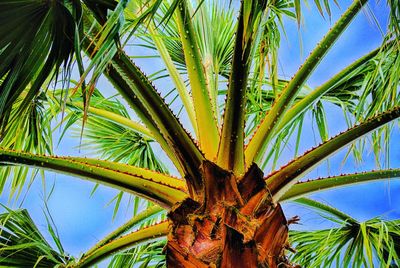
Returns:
(222,210)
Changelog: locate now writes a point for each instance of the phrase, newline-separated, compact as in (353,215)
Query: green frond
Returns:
(323,8)
(147,256)
(151,233)
(184,147)
(311,186)
(175,75)
(280,181)
(26,131)
(116,119)
(263,135)
(109,109)
(231,146)
(116,138)
(143,219)
(114,21)
(373,243)
(23,245)
(141,94)
(149,253)
(326,210)
(207,121)
(148,184)
(216,47)
(340,89)
(394,18)
(106,47)
(37,41)
(119,144)
(369,85)
(110,134)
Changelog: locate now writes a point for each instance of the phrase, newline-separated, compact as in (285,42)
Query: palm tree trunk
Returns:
(231,227)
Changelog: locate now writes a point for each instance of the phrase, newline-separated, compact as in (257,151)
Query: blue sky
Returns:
(83,220)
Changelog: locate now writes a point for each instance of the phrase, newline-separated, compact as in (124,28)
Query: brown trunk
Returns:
(231,227)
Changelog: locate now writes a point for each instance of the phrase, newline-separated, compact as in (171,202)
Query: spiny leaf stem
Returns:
(282,180)
(184,148)
(139,218)
(306,102)
(148,234)
(231,146)
(126,91)
(207,125)
(116,118)
(157,190)
(176,77)
(312,186)
(262,136)
(326,209)
(141,94)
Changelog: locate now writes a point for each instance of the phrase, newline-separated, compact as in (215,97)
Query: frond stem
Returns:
(312,186)
(207,125)
(282,180)
(132,223)
(148,234)
(156,191)
(262,136)
(306,102)
(116,118)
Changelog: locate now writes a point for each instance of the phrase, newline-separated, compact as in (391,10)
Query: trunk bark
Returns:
(231,227)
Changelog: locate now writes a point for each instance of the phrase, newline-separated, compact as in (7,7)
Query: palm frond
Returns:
(394,18)
(22,244)
(231,146)
(120,145)
(146,256)
(218,44)
(200,88)
(26,131)
(362,89)
(113,139)
(142,96)
(373,243)
(105,48)
(37,40)
(151,233)
(302,188)
(323,8)
(263,135)
(157,187)
(113,25)
(280,181)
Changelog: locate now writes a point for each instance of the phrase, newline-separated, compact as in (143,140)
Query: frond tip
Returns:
(22,244)
(373,243)
(37,40)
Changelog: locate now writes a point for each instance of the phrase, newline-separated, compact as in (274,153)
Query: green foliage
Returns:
(23,245)
(147,254)
(37,40)
(202,46)
(150,255)
(27,131)
(107,139)
(373,243)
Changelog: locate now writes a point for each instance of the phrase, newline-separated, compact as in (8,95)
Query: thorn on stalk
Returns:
(293,220)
